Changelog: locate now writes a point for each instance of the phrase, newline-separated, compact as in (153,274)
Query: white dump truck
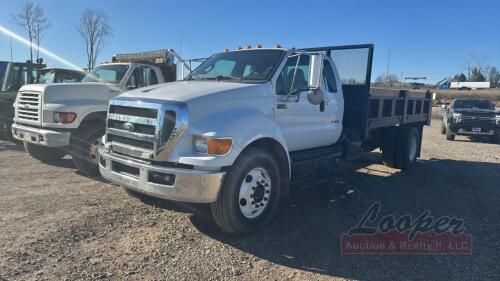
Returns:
(248,126)
(70,118)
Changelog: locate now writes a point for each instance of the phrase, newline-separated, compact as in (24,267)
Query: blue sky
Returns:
(429,38)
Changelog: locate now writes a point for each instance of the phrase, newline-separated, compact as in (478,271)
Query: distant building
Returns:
(470,85)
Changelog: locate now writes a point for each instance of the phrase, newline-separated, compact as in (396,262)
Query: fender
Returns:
(244,125)
(83,108)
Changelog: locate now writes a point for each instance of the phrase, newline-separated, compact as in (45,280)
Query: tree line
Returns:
(93,26)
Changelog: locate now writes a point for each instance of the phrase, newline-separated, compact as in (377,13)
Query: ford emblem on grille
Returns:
(127,126)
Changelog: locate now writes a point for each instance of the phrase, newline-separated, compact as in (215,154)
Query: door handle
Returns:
(281,106)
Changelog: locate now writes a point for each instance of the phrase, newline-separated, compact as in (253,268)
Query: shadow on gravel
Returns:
(305,233)
(6,146)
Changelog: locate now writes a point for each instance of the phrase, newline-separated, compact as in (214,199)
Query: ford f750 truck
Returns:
(248,126)
(70,118)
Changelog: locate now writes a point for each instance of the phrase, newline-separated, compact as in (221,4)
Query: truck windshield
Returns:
(252,66)
(481,104)
(46,77)
(106,73)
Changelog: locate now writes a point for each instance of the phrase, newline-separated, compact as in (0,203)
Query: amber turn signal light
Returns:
(219,146)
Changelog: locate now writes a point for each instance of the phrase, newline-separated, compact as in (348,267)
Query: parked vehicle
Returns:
(59,75)
(56,119)
(247,126)
(475,118)
(13,75)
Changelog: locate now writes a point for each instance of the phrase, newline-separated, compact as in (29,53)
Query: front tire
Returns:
(84,147)
(44,154)
(443,128)
(250,193)
(449,134)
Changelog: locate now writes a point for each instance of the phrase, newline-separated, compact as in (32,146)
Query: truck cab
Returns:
(247,126)
(70,118)
(13,75)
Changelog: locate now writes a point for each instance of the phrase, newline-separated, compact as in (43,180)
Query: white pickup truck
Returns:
(56,119)
(247,126)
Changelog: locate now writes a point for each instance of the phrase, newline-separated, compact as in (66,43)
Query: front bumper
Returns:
(184,185)
(475,129)
(40,136)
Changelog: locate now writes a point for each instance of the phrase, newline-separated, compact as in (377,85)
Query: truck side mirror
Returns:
(315,95)
(315,73)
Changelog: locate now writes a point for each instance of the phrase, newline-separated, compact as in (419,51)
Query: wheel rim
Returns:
(413,148)
(255,193)
(94,150)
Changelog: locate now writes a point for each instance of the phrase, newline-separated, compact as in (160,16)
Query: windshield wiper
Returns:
(227,77)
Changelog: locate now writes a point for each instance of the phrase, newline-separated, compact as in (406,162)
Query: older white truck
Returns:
(247,126)
(56,119)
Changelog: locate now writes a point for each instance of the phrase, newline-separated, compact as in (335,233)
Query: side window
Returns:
(151,76)
(294,76)
(329,77)
(136,80)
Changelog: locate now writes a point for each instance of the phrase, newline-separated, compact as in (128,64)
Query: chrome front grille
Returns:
(145,129)
(28,107)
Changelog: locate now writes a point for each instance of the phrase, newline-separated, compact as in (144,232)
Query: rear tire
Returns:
(449,135)
(84,145)
(44,154)
(250,193)
(407,148)
(389,148)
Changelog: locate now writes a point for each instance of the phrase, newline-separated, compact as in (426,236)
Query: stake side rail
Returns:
(389,108)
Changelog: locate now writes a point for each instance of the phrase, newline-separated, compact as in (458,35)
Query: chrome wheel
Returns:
(412,151)
(255,192)
(94,147)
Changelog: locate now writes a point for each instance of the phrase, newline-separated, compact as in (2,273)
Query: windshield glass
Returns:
(46,77)
(482,104)
(106,73)
(246,66)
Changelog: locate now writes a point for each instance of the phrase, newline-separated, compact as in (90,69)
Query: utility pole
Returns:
(10,37)
(388,62)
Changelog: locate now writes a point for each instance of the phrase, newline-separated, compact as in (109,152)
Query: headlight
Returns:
(64,117)
(457,115)
(212,146)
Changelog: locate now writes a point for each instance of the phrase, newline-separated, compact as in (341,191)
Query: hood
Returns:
(474,111)
(53,93)
(184,91)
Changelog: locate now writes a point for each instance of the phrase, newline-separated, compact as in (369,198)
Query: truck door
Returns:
(334,101)
(301,122)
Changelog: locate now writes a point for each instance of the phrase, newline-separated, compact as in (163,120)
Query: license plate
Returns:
(476,130)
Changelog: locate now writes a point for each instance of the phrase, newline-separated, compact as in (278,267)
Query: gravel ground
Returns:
(58,225)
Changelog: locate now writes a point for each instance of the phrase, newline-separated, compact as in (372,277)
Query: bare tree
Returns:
(26,20)
(387,80)
(41,24)
(94,29)
(494,75)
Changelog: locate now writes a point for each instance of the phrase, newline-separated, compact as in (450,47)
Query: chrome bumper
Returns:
(187,185)
(465,132)
(40,136)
